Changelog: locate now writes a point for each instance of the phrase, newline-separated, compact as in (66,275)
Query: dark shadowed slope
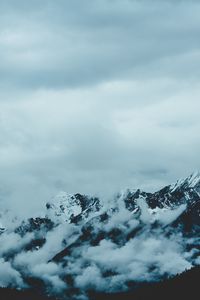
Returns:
(12,294)
(182,287)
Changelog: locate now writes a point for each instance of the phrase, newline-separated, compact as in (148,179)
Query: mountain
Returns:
(71,208)
(81,244)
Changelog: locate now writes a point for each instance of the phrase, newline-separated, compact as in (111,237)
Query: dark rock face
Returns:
(35,224)
(184,192)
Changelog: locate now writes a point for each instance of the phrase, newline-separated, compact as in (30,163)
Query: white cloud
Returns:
(9,276)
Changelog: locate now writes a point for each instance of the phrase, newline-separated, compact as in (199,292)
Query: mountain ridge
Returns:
(80,244)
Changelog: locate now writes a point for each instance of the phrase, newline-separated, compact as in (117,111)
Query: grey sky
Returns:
(96,96)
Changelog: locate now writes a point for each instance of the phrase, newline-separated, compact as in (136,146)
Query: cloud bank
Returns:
(155,251)
(96,96)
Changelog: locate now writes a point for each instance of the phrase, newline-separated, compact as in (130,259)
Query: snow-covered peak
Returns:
(191,181)
(71,208)
(63,206)
(194,179)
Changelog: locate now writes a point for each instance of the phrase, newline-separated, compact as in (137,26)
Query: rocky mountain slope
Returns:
(80,244)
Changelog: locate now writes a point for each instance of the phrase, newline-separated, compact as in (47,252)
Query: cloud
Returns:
(156,251)
(91,278)
(166,217)
(87,44)
(50,274)
(134,260)
(69,140)
(9,276)
(95,98)
(12,242)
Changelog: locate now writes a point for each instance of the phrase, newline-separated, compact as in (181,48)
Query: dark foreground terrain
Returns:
(11,294)
(184,286)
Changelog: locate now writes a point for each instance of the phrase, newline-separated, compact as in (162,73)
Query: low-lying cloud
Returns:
(156,251)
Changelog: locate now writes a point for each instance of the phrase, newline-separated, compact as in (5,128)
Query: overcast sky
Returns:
(97,96)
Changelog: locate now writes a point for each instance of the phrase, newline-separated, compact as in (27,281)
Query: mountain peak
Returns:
(192,181)
(68,207)
(64,205)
